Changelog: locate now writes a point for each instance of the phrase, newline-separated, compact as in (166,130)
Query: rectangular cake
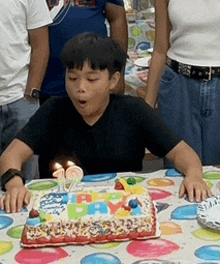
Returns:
(91,214)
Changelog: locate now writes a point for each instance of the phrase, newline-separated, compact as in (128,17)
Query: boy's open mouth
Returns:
(82,102)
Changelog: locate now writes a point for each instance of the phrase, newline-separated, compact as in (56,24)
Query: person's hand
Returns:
(15,197)
(141,93)
(196,189)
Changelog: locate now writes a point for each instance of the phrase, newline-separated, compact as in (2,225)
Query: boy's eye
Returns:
(92,80)
(72,78)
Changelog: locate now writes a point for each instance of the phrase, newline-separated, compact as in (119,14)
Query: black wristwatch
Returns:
(35,93)
(8,175)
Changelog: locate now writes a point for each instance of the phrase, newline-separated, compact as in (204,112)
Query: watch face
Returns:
(35,93)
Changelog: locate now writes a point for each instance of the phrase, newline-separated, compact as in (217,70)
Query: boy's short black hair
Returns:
(101,53)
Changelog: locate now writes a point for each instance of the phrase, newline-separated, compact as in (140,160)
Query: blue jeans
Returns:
(13,118)
(191,108)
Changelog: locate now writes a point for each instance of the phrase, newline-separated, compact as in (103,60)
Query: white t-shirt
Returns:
(195,35)
(16,18)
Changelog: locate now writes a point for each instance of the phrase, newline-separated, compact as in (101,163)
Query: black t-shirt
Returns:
(115,143)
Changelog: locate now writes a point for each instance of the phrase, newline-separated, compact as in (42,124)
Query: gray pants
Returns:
(13,117)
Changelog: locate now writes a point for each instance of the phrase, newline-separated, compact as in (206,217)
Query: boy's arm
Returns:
(116,17)
(187,161)
(16,154)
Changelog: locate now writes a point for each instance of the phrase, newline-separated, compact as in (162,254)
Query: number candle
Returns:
(74,174)
(59,173)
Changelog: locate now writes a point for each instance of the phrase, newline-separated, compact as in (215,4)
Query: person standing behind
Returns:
(75,17)
(187,56)
(24,54)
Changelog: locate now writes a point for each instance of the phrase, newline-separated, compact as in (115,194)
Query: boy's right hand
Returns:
(15,197)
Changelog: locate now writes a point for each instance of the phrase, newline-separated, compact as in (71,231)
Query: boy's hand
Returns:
(196,189)
(15,197)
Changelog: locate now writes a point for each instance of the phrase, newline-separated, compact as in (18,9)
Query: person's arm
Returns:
(161,46)
(116,17)
(187,161)
(15,155)
(39,42)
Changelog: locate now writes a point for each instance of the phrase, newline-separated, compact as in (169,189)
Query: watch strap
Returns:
(8,175)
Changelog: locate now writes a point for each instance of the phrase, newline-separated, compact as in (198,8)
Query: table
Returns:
(183,239)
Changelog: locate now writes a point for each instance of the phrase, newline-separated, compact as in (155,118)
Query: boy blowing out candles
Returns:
(101,131)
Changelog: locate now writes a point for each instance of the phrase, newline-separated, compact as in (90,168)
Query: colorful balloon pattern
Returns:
(170,228)
(173,173)
(208,252)
(186,212)
(100,258)
(211,175)
(15,232)
(207,234)
(160,182)
(5,247)
(151,248)
(40,255)
(158,194)
(5,221)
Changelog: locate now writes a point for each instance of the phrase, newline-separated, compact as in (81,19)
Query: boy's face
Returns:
(89,91)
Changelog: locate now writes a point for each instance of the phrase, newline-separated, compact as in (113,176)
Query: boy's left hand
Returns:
(196,189)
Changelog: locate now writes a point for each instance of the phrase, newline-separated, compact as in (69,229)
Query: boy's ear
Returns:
(114,80)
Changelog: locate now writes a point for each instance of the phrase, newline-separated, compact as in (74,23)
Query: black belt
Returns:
(196,72)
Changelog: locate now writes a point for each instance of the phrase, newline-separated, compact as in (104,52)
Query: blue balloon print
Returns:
(5,222)
(100,258)
(98,177)
(173,173)
(187,212)
(208,252)
(24,210)
(143,46)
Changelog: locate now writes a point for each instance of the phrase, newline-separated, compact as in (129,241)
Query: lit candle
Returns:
(59,173)
(74,174)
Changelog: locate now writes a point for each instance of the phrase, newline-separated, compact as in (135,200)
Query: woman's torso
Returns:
(195,34)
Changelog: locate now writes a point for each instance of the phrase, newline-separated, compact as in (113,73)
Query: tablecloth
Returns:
(183,239)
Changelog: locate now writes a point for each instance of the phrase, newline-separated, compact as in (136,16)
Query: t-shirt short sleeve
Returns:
(38,14)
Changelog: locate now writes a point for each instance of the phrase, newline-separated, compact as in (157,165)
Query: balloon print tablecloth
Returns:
(183,239)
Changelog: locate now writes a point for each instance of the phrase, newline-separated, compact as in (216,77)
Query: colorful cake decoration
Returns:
(91,214)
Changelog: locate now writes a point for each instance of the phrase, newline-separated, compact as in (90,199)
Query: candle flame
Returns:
(58,166)
(70,163)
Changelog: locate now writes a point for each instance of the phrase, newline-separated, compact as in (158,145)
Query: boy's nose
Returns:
(82,86)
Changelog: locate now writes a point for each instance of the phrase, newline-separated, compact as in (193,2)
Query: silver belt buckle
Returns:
(209,75)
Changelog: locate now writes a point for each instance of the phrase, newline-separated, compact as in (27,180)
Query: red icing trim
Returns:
(57,239)
(81,239)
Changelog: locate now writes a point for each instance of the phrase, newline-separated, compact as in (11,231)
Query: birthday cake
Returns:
(91,214)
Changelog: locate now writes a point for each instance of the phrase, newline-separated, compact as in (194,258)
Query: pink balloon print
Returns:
(40,255)
(152,248)
(157,194)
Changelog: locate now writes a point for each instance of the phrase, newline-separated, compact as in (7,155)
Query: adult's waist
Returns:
(203,73)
